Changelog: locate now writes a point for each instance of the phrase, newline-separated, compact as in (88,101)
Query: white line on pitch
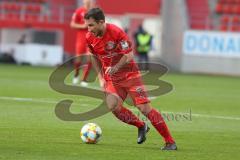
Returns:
(56,101)
(37,100)
(201,115)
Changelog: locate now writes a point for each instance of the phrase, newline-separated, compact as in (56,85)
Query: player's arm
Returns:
(76,25)
(126,58)
(125,49)
(97,67)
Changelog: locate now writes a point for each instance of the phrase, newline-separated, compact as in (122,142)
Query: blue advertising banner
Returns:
(208,43)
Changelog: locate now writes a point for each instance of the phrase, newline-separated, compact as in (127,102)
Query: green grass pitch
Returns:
(29,129)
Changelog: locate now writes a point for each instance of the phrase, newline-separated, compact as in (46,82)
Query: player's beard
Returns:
(98,33)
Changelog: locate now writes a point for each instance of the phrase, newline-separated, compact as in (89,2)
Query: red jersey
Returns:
(78,17)
(109,49)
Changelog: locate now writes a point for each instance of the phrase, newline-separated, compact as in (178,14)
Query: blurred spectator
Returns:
(22,39)
(7,57)
(143,41)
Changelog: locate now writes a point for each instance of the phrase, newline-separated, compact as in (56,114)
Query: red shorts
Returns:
(81,47)
(133,87)
(81,43)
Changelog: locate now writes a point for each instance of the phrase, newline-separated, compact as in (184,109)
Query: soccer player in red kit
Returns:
(78,23)
(112,57)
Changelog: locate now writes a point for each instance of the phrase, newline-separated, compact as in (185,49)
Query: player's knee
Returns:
(144,108)
(112,102)
(112,106)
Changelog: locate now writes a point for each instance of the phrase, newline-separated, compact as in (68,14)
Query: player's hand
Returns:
(111,70)
(102,82)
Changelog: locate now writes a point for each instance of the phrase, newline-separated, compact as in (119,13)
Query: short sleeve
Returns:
(124,44)
(78,16)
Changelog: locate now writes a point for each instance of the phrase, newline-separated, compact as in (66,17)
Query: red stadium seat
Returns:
(199,13)
(232,9)
(237,1)
(237,9)
(13,16)
(219,8)
(225,19)
(235,28)
(7,6)
(11,6)
(32,18)
(45,18)
(221,1)
(15,7)
(227,9)
(33,8)
(236,20)
(39,1)
(223,27)
(37,8)
(230,1)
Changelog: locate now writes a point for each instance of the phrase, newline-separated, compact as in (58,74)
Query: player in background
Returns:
(112,57)
(78,23)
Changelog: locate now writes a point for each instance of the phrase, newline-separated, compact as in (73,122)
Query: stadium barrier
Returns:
(211,52)
(35,54)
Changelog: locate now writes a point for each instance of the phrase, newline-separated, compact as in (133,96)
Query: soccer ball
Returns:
(90,133)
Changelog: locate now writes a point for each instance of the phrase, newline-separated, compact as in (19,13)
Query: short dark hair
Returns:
(95,13)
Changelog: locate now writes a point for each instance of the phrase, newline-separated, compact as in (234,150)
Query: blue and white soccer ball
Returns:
(90,133)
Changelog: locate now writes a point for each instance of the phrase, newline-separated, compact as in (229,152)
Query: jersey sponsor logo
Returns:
(124,45)
(110,45)
(140,91)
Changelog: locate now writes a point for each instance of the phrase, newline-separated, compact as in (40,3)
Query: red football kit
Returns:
(109,49)
(78,17)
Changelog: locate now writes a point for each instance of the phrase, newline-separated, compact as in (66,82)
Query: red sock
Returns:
(158,122)
(126,116)
(76,68)
(86,71)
